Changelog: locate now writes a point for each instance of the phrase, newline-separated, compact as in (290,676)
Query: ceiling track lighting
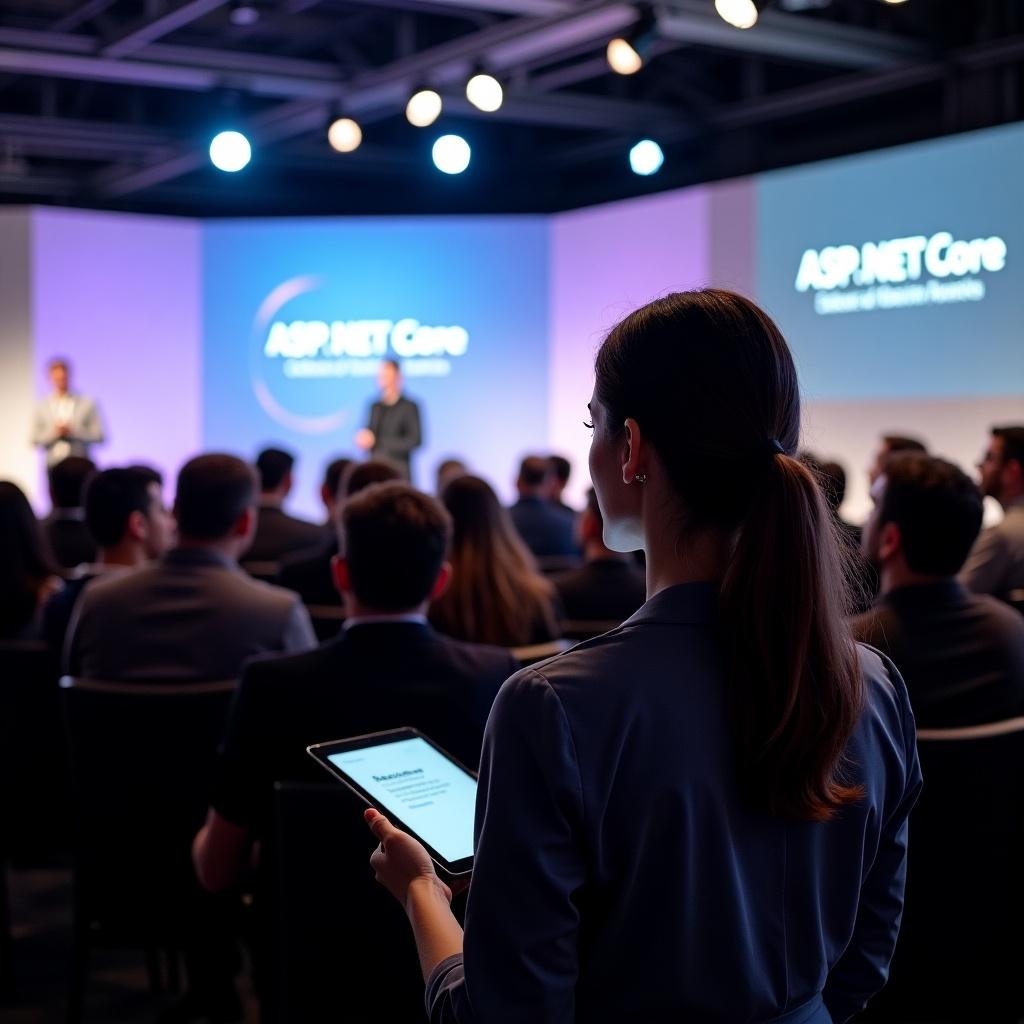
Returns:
(344,134)
(627,53)
(424,107)
(243,13)
(741,14)
(484,91)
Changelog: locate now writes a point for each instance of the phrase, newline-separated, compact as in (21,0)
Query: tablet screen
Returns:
(414,782)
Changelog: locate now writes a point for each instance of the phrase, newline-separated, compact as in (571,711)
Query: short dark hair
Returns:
(361,475)
(213,491)
(334,472)
(900,443)
(533,470)
(59,361)
(1013,442)
(154,475)
(111,497)
(68,479)
(938,509)
(395,540)
(561,467)
(394,363)
(273,465)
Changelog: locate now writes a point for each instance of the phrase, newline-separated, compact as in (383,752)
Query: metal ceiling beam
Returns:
(146,31)
(82,14)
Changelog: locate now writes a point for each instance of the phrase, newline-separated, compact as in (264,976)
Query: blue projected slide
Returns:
(900,273)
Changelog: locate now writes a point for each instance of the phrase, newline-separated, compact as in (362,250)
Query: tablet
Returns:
(421,788)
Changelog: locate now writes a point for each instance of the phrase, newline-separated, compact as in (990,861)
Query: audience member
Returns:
(496,595)
(65,528)
(701,815)
(194,615)
(309,574)
(329,492)
(126,517)
(546,529)
(996,564)
(889,445)
(962,655)
(609,586)
(388,668)
(277,533)
(559,471)
(447,471)
(27,573)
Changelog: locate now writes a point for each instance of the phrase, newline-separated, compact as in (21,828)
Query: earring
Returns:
(641,478)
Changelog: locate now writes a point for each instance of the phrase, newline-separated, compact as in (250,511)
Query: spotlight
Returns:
(894,2)
(484,92)
(243,13)
(451,154)
(230,151)
(646,157)
(344,135)
(738,13)
(423,108)
(626,53)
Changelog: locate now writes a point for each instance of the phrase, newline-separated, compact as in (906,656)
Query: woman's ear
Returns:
(634,453)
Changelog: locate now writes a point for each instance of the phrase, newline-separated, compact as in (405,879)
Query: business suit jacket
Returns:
(545,528)
(85,423)
(996,562)
(397,430)
(192,616)
(70,540)
(309,575)
(279,535)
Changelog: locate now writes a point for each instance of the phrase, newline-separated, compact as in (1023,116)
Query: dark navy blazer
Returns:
(620,877)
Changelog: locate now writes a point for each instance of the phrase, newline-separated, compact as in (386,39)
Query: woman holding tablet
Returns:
(701,815)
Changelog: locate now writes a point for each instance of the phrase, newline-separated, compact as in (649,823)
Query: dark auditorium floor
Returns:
(118,989)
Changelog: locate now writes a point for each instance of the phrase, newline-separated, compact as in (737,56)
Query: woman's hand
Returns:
(400,860)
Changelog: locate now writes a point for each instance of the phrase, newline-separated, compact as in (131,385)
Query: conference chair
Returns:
(337,944)
(327,620)
(142,757)
(961,942)
(530,654)
(587,629)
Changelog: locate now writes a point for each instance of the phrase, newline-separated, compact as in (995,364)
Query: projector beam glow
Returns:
(451,154)
(646,157)
(230,151)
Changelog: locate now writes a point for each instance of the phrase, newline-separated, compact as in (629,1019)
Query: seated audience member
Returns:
(194,615)
(65,528)
(609,585)
(961,654)
(889,445)
(329,490)
(546,530)
(277,533)
(996,563)
(28,575)
(559,471)
(447,471)
(309,574)
(125,514)
(496,595)
(388,668)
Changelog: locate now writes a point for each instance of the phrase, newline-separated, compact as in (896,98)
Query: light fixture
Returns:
(344,135)
(646,157)
(423,108)
(484,92)
(451,154)
(738,13)
(895,2)
(230,151)
(626,53)
(243,13)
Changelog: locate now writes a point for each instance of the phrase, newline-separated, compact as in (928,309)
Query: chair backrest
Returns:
(327,619)
(532,653)
(328,920)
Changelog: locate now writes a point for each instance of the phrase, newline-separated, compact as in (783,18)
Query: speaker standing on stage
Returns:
(65,423)
(394,430)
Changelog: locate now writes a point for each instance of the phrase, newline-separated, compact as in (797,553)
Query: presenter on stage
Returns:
(65,423)
(393,431)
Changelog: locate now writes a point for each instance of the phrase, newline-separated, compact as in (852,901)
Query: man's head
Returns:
(330,489)
(447,471)
(393,542)
(389,376)
(533,477)
(1002,466)
(274,466)
(559,470)
(125,513)
(361,475)
(216,503)
(59,372)
(890,444)
(927,515)
(68,479)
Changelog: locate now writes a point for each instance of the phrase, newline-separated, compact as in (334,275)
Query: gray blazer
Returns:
(996,563)
(192,616)
(86,429)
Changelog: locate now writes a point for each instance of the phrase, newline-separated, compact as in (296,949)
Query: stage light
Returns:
(622,57)
(484,92)
(738,13)
(646,157)
(243,13)
(895,2)
(451,154)
(344,135)
(230,151)
(423,108)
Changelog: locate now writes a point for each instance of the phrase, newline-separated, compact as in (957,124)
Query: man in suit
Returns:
(996,563)
(65,423)
(279,534)
(559,471)
(546,529)
(69,537)
(388,668)
(609,586)
(961,654)
(193,615)
(394,429)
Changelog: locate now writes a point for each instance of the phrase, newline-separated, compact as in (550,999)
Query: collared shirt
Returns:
(377,620)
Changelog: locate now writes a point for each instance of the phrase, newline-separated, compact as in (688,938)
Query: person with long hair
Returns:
(28,575)
(701,815)
(496,595)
